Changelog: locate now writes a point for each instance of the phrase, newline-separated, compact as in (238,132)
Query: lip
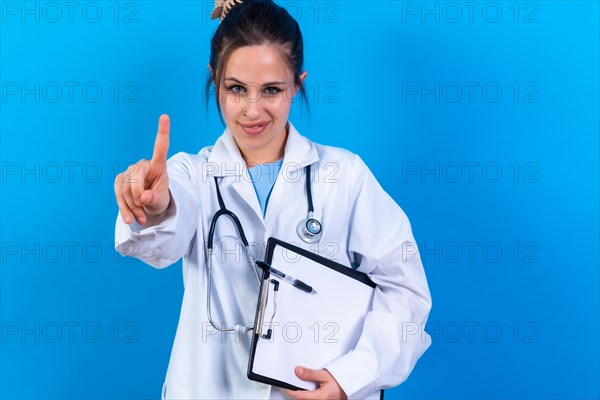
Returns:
(254,131)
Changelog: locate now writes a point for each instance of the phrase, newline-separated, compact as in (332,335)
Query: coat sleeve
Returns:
(168,240)
(393,336)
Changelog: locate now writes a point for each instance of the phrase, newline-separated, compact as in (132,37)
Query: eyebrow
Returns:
(231,78)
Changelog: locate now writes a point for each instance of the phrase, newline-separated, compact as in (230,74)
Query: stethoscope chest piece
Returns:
(309,230)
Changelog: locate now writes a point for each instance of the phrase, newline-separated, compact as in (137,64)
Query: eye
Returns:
(272,90)
(234,88)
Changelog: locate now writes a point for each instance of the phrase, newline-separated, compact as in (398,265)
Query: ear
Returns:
(302,77)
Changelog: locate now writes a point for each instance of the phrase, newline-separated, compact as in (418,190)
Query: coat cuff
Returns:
(353,375)
(131,240)
(138,230)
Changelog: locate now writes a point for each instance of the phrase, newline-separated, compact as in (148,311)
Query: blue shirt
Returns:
(263,178)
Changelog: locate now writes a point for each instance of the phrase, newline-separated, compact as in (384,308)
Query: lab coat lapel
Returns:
(225,160)
(299,152)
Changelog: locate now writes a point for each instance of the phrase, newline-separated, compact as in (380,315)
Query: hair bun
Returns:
(222,7)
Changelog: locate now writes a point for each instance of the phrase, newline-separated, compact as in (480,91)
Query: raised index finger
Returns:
(161,144)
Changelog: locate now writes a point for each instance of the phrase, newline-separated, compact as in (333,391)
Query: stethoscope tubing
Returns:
(302,232)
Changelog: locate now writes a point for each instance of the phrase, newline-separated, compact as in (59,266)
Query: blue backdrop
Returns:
(479,118)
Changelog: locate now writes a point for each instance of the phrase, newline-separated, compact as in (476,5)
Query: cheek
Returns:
(231,107)
(281,105)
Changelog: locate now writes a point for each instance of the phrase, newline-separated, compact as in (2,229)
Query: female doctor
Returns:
(257,170)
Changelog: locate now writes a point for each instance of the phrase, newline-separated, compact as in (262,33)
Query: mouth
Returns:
(254,129)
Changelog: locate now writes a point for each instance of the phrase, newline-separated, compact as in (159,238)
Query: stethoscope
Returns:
(309,230)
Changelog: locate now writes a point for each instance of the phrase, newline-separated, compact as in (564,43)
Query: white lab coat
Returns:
(361,224)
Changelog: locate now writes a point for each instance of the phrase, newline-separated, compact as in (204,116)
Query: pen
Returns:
(297,283)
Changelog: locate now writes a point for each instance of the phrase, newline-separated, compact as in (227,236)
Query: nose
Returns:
(253,104)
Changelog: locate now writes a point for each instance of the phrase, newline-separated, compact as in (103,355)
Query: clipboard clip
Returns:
(297,283)
(264,298)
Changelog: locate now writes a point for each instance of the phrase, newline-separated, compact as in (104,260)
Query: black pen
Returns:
(296,282)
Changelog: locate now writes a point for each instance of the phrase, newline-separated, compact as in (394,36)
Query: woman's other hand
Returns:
(328,386)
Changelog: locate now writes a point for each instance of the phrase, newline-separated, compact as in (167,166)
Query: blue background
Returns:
(516,318)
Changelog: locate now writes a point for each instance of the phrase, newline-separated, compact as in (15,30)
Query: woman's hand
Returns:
(143,189)
(328,386)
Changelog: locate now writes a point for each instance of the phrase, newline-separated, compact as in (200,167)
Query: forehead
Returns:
(258,64)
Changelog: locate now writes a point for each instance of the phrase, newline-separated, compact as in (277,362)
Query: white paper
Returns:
(309,330)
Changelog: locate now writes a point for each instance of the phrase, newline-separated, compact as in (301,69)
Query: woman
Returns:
(259,164)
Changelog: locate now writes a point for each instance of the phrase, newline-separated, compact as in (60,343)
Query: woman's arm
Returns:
(164,241)
(393,336)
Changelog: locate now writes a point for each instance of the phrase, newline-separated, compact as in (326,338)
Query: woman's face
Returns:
(256,97)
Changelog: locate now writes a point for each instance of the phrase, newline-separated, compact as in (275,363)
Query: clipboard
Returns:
(293,327)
